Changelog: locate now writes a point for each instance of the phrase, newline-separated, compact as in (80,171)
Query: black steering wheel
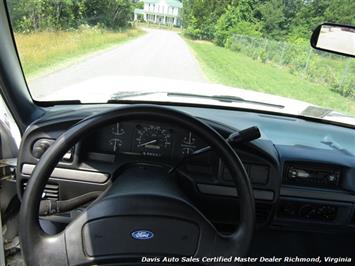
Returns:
(142,213)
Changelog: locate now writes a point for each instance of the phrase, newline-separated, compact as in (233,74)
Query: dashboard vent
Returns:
(262,212)
(51,191)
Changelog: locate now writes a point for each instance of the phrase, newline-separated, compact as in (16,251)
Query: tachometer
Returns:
(153,140)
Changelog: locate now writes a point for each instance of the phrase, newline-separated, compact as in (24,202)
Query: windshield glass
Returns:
(237,53)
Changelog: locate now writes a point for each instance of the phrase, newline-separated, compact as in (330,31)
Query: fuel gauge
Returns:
(117,137)
(115,143)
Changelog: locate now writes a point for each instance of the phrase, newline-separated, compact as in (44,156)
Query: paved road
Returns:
(340,41)
(159,53)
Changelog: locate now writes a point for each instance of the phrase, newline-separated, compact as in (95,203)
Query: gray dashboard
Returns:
(287,146)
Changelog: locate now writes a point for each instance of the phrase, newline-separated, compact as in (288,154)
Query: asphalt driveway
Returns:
(158,53)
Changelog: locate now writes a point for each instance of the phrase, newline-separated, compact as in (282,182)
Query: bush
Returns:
(192,31)
(263,56)
(224,25)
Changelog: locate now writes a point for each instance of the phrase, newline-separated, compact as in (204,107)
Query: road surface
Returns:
(158,53)
(337,40)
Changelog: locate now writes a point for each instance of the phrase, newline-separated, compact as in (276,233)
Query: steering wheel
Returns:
(142,213)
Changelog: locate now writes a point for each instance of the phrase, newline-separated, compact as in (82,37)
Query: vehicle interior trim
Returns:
(231,192)
(70,174)
(316,194)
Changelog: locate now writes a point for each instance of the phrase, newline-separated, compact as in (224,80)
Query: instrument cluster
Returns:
(144,138)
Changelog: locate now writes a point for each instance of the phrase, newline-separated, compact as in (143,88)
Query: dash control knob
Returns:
(40,147)
(332,178)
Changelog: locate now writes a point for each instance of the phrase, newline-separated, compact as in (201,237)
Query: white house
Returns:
(166,12)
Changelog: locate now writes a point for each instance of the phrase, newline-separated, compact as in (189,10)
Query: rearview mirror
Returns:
(334,38)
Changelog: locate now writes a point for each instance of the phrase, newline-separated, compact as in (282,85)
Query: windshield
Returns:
(237,53)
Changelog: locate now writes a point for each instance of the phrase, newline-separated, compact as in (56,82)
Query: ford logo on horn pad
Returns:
(142,234)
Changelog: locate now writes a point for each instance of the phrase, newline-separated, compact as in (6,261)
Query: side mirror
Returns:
(334,38)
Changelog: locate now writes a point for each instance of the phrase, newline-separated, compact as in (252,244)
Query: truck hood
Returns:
(102,89)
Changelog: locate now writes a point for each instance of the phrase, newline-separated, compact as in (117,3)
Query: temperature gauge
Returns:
(188,144)
(117,130)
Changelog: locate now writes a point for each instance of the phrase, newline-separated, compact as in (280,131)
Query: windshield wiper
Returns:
(121,95)
(222,98)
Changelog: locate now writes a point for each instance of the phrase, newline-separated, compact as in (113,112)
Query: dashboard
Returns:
(298,181)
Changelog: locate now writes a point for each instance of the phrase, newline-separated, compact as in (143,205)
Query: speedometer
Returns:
(153,140)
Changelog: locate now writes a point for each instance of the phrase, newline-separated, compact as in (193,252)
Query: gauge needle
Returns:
(147,143)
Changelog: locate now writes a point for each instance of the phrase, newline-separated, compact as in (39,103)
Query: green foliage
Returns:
(224,25)
(113,14)
(237,19)
(200,17)
(241,28)
(49,50)
(272,18)
(40,15)
(193,31)
(139,5)
(300,59)
(227,67)
(341,10)
(292,20)
(285,27)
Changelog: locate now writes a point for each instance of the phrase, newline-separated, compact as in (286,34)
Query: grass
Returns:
(43,51)
(234,69)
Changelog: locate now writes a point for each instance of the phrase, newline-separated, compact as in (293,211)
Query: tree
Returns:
(112,14)
(340,11)
(200,17)
(272,19)
(38,15)
(237,18)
